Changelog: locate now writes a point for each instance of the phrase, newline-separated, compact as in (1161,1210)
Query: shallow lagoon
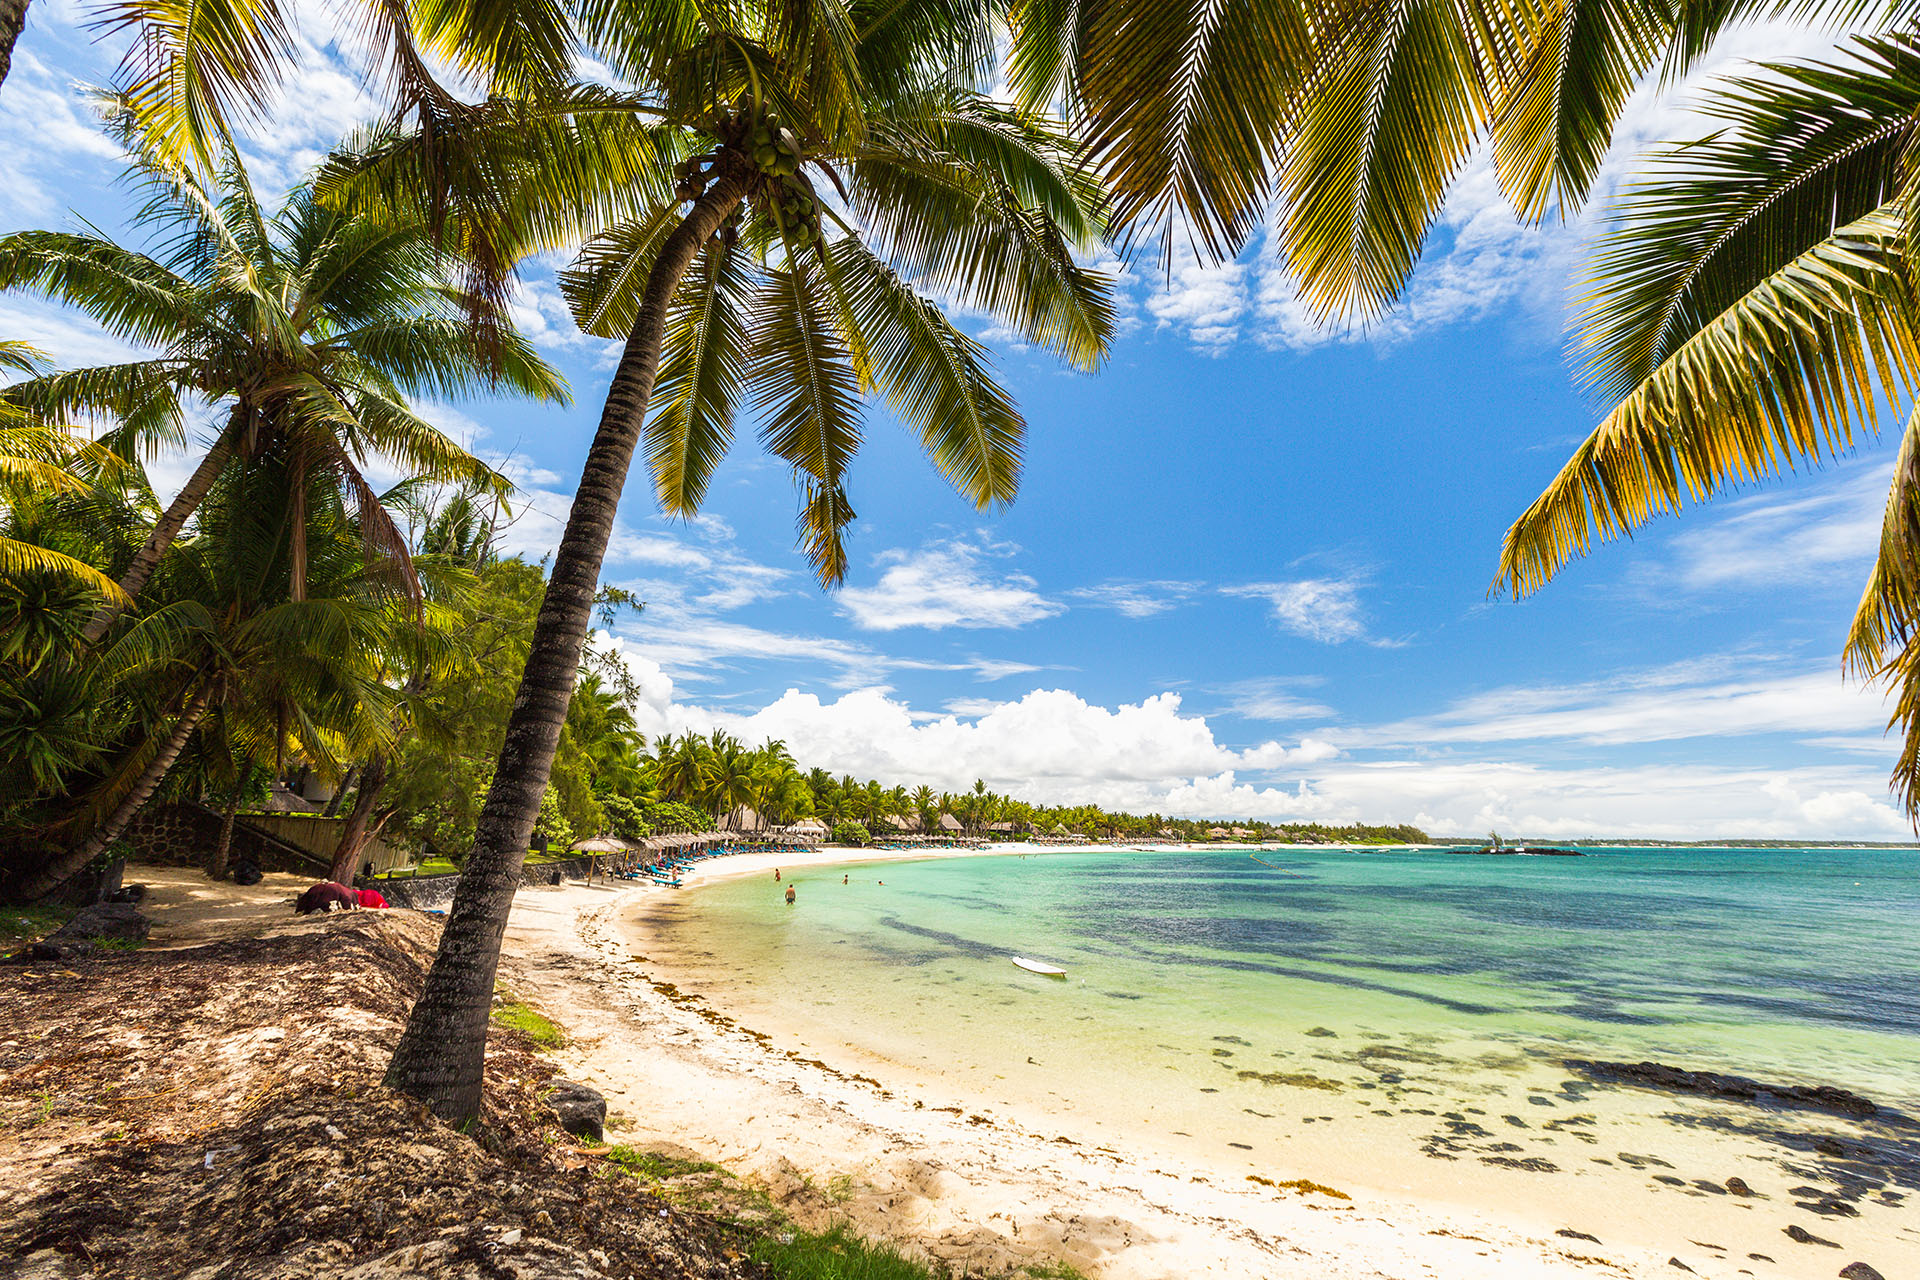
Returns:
(1364,1015)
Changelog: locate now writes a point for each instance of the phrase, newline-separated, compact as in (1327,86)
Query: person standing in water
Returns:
(776,875)
(789,895)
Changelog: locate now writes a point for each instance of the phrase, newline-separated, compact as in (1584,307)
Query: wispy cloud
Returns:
(1275,698)
(1785,536)
(947,584)
(1326,610)
(1136,599)
(1737,696)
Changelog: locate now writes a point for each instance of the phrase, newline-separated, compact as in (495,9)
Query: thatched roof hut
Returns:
(950,823)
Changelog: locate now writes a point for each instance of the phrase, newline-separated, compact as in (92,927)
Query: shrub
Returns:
(852,833)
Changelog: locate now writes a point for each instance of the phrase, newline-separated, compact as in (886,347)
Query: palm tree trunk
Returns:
(13,18)
(171,522)
(217,865)
(50,875)
(346,854)
(333,805)
(440,1055)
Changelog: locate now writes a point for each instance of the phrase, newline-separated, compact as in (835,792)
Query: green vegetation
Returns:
(852,833)
(657,1167)
(837,1254)
(30,923)
(510,1011)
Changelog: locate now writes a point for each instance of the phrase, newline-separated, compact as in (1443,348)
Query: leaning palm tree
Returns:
(305,329)
(822,173)
(228,635)
(1753,310)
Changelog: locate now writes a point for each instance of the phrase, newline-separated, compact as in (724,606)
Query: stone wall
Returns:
(433,893)
(184,835)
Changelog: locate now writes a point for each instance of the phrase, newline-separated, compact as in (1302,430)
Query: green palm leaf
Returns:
(702,377)
(804,385)
(1383,125)
(1790,372)
(1553,118)
(935,377)
(1813,148)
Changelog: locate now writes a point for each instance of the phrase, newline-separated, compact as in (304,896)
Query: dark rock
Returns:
(104,921)
(555,878)
(1828,1207)
(127,893)
(1571,1234)
(247,873)
(1322,1031)
(1739,1187)
(1859,1271)
(61,951)
(1675,1262)
(582,1111)
(1800,1235)
(1760,1257)
(1712,1084)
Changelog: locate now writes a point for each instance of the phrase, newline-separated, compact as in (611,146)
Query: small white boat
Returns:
(1044,970)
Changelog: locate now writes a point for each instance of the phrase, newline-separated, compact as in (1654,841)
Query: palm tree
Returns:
(39,459)
(730,781)
(289,675)
(305,329)
(682,768)
(1751,306)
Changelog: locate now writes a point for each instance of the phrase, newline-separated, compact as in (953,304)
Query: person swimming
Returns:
(789,895)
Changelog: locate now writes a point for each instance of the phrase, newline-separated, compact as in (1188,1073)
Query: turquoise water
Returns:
(1400,1021)
(1803,962)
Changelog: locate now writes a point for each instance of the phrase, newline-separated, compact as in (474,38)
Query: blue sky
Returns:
(1247,573)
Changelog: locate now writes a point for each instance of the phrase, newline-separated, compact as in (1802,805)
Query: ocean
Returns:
(1366,1014)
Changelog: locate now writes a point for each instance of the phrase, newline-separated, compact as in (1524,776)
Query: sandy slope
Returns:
(971,1187)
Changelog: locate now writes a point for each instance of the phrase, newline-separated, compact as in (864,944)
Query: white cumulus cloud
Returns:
(946,584)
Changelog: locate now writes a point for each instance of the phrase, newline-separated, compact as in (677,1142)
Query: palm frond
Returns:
(703,374)
(1384,123)
(1554,115)
(936,378)
(1881,642)
(198,67)
(128,294)
(804,386)
(1812,147)
(1790,372)
(1182,104)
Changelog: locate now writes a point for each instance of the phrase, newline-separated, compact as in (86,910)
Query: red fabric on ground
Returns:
(370,898)
(326,896)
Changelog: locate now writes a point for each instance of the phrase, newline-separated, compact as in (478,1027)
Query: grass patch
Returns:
(510,1011)
(1053,1271)
(837,1255)
(29,924)
(659,1167)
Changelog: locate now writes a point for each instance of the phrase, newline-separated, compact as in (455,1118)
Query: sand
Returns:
(921,1162)
(930,1163)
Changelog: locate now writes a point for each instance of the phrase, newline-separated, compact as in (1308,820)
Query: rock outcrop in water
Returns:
(1711,1084)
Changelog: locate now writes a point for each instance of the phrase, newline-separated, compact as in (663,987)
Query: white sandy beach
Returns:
(928,1162)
